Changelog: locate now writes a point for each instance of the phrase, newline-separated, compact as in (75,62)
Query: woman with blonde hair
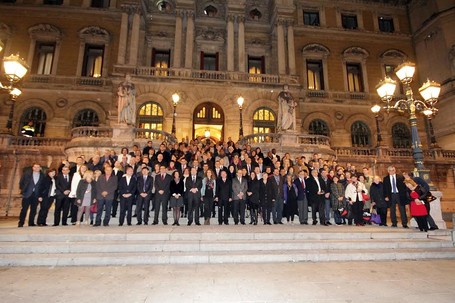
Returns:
(85,196)
(418,210)
(208,191)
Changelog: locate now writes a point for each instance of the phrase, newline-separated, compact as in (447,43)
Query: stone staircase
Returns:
(87,246)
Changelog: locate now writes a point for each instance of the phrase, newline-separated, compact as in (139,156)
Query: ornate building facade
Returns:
(331,54)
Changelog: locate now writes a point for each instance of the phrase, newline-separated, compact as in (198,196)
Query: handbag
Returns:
(418,210)
(366,216)
(343,212)
(94,208)
(375,218)
(429,197)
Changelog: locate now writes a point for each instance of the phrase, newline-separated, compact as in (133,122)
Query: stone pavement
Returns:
(405,281)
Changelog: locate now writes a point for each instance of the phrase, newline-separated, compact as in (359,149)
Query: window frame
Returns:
(320,64)
(349,16)
(93,121)
(39,119)
(325,130)
(311,13)
(151,119)
(358,139)
(381,20)
(406,139)
(262,123)
(89,71)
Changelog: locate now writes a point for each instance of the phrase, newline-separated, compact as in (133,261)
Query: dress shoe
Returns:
(405,226)
(305,223)
(197,223)
(164,223)
(155,223)
(279,222)
(33,224)
(54,224)
(120,224)
(324,224)
(139,223)
(243,223)
(146,223)
(20,225)
(394,225)
(65,224)
(268,223)
(189,223)
(328,223)
(315,222)
(174,224)
(105,224)
(129,224)
(433,228)
(96,225)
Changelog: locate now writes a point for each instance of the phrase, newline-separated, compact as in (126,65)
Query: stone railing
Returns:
(203,75)
(355,151)
(152,134)
(37,141)
(314,140)
(65,81)
(302,140)
(260,138)
(91,131)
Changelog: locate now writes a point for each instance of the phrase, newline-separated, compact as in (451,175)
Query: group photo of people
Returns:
(218,183)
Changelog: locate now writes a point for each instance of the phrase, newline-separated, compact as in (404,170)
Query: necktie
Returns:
(303,184)
(66,178)
(394,185)
(162,177)
(194,179)
(145,180)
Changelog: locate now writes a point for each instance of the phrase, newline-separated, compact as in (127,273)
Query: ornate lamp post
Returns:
(429,91)
(240,101)
(376,109)
(15,69)
(175,100)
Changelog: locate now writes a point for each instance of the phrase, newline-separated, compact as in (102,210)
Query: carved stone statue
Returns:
(126,102)
(286,110)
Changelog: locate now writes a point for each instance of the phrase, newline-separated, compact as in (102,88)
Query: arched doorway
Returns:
(208,122)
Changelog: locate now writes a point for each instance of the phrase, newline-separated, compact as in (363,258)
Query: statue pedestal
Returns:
(289,138)
(435,211)
(122,135)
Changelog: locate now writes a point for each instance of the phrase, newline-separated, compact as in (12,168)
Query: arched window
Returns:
(255,14)
(264,121)
(401,135)
(210,11)
(360,134)
(38,117)
(150,116)
(318,127)
(86,117)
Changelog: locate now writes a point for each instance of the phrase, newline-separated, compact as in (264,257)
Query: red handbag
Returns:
(94,208)
(418,210)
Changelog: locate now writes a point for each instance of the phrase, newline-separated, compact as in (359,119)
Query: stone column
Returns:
(291,49)
(241,21)
(123,39)
(280,47)
(178,40)
(230,43)
(134,45)
(189,40)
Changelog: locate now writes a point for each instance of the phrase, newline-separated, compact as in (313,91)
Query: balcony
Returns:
(203,75)
(71,83)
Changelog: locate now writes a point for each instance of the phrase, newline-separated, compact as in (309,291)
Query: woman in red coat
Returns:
(418,210)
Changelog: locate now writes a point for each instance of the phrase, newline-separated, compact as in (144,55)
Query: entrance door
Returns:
(208,122)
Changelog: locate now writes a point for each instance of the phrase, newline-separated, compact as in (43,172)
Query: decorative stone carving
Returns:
(95,34)
(44,31)
(356,52)
(394,53)
(315,49)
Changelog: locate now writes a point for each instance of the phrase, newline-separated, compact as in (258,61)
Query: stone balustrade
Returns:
(37,141)
(90,132)
(152,134)
(42,81)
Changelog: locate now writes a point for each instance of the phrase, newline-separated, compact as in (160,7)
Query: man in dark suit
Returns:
(278,182)
(316,190)
(395,194)
(302,201)
(106,186)
(239,188)
(29,185)
(144,195)
(193,186)
(223,197)
(62,202)
(127,189)
(118,172)
(162,195)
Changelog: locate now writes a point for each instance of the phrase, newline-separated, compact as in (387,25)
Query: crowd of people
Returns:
(205,180)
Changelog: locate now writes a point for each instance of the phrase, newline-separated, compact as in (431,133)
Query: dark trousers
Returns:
(266,214)
(142,203)
(115,203)
(318,205)
(303,210)
(223,211)
(194,201)
(238,211)
(277,212)
(254,213)
(126,209)
(430,219)
(422,222)
(382,212)
(208,207)
(105,204)
(62,204)
(73,210)
(31,202)
(395,200)
(357,212)
(160,201)
(44,209)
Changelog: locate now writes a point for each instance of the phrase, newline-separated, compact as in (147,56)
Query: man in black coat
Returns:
(316,190)
(62,201)
(31,194)
(193,186)
(162,195)
(144,195)
(395,194)
(127,190)
(223,197)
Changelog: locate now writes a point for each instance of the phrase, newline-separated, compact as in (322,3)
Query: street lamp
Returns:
(429,91)
(175,100)
(15,69)
(240,101)
(376,109)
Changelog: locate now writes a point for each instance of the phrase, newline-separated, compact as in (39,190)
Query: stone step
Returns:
(88,234)
(150,258)
(213,246)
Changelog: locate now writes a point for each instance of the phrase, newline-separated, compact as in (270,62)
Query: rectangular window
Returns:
(256,66)
(354,72)
(161,59)
(386,24)
(53,2)
(100,3)
(93,61)
(349,21)
(315,75)
(311,18)
(209,61)
(44,58)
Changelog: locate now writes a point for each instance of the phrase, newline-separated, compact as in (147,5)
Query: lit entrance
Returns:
(208,122)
